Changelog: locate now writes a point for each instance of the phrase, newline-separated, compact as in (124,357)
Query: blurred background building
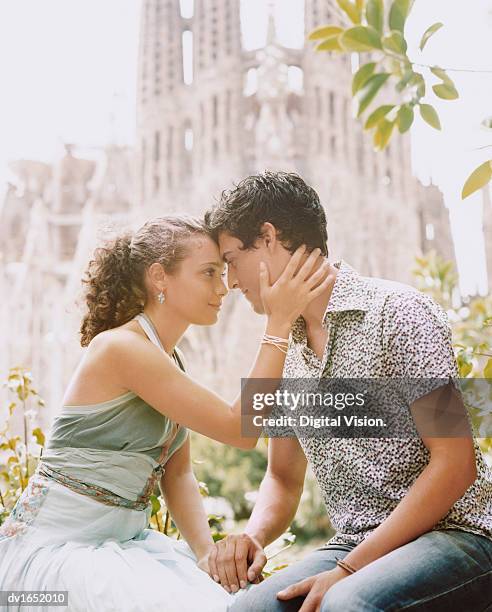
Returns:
(210,112)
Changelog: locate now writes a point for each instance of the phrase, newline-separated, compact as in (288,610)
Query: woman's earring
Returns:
(161,297)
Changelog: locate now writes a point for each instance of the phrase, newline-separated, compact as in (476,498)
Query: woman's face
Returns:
(196,290)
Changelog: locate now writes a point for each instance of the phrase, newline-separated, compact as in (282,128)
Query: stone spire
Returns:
(271,38)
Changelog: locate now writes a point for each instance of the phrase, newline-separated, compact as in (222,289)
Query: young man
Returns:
(413,517)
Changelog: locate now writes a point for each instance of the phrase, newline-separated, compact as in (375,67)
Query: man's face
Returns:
(243,266)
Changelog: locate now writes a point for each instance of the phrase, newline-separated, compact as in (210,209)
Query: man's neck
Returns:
(313,314)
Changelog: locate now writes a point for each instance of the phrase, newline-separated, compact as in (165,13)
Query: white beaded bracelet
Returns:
(280,343)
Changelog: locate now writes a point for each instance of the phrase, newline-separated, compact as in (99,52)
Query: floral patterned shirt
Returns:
(380,328)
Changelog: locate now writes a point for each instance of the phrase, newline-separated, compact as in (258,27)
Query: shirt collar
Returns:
(349,293)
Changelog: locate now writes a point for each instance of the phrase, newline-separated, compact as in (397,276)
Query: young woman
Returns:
(81,524)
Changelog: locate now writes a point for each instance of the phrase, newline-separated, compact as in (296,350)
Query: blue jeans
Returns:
(442,570)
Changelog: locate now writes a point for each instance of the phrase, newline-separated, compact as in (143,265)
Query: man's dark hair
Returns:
(280,198)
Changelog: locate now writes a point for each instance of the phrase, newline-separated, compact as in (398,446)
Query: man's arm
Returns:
(450,472)
(239,558)
(280,491)
(448,475)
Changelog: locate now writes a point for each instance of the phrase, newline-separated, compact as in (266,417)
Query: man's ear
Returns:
(269,235)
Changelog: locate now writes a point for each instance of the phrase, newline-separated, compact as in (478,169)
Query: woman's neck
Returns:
(168,326)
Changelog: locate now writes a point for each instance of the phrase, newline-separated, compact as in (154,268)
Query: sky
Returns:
(67,67)
(68,70)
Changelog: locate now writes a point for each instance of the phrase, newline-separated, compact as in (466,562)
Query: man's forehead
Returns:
(228,244)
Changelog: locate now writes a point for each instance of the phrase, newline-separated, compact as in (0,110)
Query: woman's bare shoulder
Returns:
(126,348)
(96,379)
(112,347)
(117,337)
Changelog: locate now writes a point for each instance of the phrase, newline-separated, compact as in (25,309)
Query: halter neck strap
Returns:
(149,329)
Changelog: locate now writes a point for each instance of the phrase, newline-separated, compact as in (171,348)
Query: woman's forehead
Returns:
(204,248)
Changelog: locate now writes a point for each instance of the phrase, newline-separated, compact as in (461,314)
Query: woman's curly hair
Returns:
(115,277)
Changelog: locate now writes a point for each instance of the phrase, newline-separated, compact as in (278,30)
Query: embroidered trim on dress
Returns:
(26,507)
(106,496)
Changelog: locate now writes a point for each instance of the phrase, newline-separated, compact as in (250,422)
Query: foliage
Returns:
(229,472)
(161,520)
(311,520)
(477,179)
(367,30)
(17,461)
(471,321)
(235,475)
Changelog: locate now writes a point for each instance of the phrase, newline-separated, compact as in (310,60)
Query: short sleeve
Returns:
(280,427)
(417,343)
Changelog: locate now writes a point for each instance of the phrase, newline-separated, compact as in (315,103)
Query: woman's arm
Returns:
(150,373)
(180,491)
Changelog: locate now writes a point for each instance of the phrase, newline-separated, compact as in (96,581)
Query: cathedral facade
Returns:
(210,112)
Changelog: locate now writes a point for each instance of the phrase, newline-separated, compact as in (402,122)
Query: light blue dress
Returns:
(81,525)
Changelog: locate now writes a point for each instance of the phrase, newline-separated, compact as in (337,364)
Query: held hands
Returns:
(295,288)
(239,559)
(235,561)
(203,564)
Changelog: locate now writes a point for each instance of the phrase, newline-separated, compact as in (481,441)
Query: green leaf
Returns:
(440,73)
(376,116)
(360,38)
(429,115)
(465,362)
(375,14)
(395,66)
(156,504)
(351,10)
(465,369)
(369,91)
(477,179)
(418,81)
(324,32)
(383,134)
(428,33)
(361,76)
(487,123)
(398,14)
(445,91)
(203,488)
(39,435)
(405,80)
(395,43)
(218,536)
(487,371)
(330,44)
(404,118)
